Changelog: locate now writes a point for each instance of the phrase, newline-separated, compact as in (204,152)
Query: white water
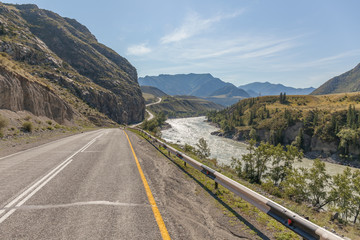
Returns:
(190,130)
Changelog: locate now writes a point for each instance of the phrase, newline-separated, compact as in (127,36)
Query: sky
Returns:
(295,43)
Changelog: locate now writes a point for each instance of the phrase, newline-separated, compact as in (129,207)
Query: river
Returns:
(190,130)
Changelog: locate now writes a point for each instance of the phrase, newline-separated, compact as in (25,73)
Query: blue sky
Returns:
(296,43)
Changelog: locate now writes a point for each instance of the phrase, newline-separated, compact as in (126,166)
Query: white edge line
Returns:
(44,178)
(8,214)
(45,144)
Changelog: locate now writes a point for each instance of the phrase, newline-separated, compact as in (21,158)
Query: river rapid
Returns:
(190,130)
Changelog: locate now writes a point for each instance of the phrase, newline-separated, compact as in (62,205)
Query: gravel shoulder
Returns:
(190,210)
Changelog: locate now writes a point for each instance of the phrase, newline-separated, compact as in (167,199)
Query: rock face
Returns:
(18,93)
(62,53)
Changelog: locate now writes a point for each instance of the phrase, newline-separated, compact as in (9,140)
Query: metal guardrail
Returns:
(289,219)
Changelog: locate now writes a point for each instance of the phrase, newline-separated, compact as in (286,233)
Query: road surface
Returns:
(151,116)
(91,186)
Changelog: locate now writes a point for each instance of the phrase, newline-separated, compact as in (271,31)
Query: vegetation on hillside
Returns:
(330,118)
(183,106)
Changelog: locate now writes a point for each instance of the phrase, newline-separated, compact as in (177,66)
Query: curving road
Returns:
(151,116)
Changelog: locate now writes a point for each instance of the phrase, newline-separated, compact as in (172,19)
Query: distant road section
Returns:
(151,116)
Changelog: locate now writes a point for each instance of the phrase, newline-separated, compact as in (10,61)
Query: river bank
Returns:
(190,130)
(334,158)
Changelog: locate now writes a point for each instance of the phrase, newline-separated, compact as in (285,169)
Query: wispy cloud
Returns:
(138,50)
(194,25)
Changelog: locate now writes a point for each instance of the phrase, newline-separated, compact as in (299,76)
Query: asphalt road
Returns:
(86,186)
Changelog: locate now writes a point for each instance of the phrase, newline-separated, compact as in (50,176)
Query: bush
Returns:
(3,122)
(28,127)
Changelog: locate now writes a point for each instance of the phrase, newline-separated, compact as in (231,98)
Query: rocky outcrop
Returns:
(18,93)
(64,52)
(314,145)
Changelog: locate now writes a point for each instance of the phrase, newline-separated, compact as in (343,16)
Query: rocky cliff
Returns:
(62,54)
(18,93)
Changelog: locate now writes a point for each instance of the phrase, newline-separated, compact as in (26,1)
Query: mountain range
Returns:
(53,66)
(265,89)
(200,85)
(214,89)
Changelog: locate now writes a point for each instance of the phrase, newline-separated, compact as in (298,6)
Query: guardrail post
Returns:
(216,185)
(184,163)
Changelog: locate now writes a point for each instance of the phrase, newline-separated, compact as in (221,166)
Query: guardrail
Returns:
(291,220)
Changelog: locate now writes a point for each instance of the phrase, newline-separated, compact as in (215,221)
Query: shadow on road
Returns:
(238,216)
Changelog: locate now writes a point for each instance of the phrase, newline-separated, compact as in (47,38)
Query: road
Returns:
(96,185)
(81,187)
(151,116)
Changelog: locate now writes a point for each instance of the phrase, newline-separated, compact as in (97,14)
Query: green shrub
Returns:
(28,127)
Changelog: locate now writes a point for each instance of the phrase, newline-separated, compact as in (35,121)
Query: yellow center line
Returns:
(160,222)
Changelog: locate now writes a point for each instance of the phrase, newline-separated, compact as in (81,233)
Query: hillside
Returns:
(183,106)
(346,82)
(199,85)
(320,125)
(151,94)
(54,67)
(267,89)
(230,91)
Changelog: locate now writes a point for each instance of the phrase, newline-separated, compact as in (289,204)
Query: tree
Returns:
(318,183)
(282,161)
(299,140)
(347,137)
(341,193)
(295,185)
(247,159)
(252,134)
(356,194)
(204,151)
(262,156)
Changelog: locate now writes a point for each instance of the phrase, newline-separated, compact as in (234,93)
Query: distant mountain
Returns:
(230,91)
(266,88)
(346,82)
(199,85)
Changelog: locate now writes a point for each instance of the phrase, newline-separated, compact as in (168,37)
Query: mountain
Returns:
(184,106)
(199,85)
(53,66)
(151,94)
(230,91)
(266,89)
(346,82)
